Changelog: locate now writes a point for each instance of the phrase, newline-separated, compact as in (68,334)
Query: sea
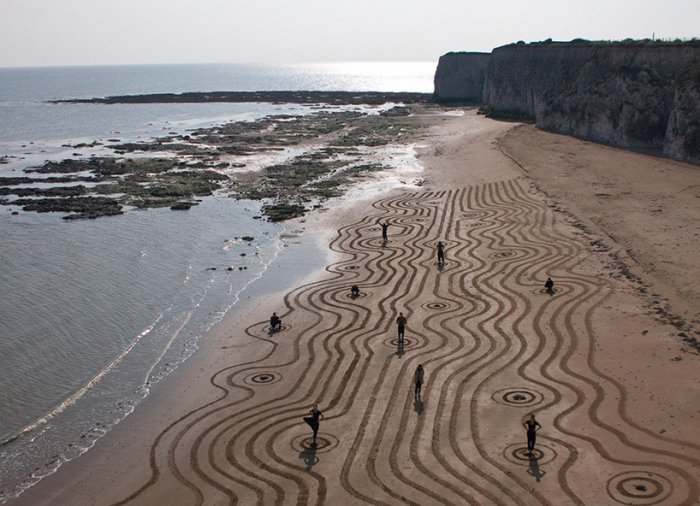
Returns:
(93,313)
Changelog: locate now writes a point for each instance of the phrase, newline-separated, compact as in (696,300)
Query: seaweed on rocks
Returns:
(333,144)
(375,131)
(163,190)
(283,211)
(138,182)
(79,207)
(183,205)
(58,191)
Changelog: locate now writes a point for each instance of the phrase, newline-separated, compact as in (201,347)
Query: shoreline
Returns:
(282,274)
(210,424)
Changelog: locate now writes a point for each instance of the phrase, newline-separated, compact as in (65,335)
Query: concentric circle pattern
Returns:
(408,342)
(518,397)
(324,443)
(506,253)
(435,306)
(262,378)
(350,296)
(639,488)
(519,454)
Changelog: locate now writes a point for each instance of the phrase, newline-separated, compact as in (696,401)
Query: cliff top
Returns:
(466,52)
(610,43)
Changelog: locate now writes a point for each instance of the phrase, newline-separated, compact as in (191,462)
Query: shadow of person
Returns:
(400,348)
(534,469)
(418,405)
(308,455)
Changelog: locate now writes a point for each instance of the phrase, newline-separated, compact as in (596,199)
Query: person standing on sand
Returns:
(549,285)
(385,228)
(401,323)
(418,377)
(314,420)
(532,426)
(441,253)
(275,322)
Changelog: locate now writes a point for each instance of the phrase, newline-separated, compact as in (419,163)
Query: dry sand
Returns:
(601,361)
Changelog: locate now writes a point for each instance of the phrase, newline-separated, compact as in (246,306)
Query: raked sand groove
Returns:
(495,348)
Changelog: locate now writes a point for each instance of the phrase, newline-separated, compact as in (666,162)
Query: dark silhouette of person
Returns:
(308,455)
(401,322)
(385,228)
(532,426)
(314,420)
(418,378)
(534,468)
(441,252)
(549,285)
(354,291)
(275,322)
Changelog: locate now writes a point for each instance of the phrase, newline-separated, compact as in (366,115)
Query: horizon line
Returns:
(258,63)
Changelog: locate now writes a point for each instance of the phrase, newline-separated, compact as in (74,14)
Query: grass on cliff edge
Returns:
(614,43)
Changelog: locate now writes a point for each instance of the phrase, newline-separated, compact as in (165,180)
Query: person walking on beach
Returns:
(532,426)
(401,323)
(385,228)
(354,291)
(418,377)
(549,285)
(314,420)
(441,253)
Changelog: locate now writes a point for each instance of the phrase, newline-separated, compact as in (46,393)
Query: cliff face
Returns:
(682,140)
(633,96)
(460,77)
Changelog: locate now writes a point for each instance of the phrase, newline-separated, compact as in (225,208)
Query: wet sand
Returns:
(601,362)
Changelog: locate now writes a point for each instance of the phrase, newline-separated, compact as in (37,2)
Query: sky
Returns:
(100,32)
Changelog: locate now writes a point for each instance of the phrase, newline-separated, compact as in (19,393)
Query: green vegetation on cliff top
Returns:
(612,43)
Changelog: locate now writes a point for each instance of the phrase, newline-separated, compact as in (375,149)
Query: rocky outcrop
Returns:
(639,95)
(460,77)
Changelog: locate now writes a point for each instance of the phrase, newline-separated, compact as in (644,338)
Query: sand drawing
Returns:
(495,348)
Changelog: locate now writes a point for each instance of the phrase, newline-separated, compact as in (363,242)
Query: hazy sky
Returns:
(89,32)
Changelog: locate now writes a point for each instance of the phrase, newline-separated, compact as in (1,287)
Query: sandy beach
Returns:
(608,362)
